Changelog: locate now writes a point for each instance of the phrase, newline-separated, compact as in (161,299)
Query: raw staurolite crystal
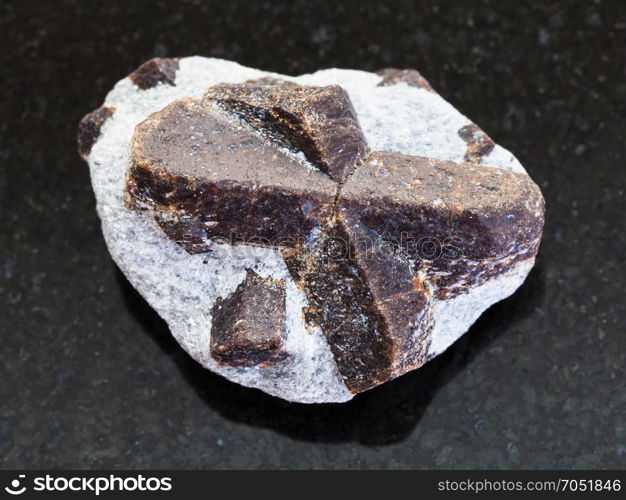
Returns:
(249,325)
(315,236)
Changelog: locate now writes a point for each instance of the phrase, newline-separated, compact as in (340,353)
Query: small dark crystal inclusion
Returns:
(89,129)
(248,327)
(155,71)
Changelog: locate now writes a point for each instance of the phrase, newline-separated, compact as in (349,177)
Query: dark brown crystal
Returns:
(155,71)
(478,143)
(374,313)
(371,240)
(270,80)
(248,327)
(393,76)
(341,304)
(208,177)
(400,297)
(320,122)
(455,222)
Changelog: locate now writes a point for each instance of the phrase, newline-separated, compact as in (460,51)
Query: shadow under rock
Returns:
(383,415)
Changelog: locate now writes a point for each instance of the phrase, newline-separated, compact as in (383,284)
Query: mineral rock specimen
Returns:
(312,237)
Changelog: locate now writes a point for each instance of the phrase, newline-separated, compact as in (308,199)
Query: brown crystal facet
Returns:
(248,327)
(155,71)
(375,315)
(208,177)
(270,80)
(400,297)
(392,76)
(460,224)
(89,129)
(320,122)
(478,143)
(341,304)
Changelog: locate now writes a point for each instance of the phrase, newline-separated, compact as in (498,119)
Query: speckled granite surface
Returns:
(89,376)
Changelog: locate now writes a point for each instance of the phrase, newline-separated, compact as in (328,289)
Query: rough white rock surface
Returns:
(182,288)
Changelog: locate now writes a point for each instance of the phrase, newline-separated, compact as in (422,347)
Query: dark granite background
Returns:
(89,375)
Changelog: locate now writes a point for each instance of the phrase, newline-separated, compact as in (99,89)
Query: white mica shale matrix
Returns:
(185,153)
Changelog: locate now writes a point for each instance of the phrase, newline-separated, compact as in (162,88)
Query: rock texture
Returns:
(319,122)
(207,177)
(314,236)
